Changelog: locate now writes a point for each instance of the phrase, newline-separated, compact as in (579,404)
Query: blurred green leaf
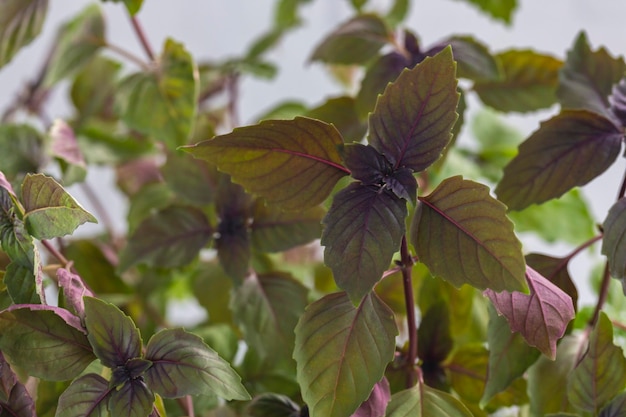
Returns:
(286,13)
(272,405)
(184,365)
(342,351)
(258,157)
(341,113)
(93,89)
(162,103)
(413,119)
(542,170)
(422,401)
(464,236)
(132,6)
(398,12)
(192,180)
(353,42)
(25,144)
(496,9)
(20,22)
(473,58)
(529,82)
(50,210)
(149,200)
(76,44)
(169,238)
(435,340)
(212,288)
(283,111)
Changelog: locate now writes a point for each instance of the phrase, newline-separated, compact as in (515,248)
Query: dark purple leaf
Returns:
(7,379)
(435,340)
(541,316)
(413,119)
(52,345)
(464,237)
(272,405)
(613,242)
(192,179)
(616,408)
(182,364)
(87,396)
(169,238)
(568,150)
(376,404)
(14,398)
(473,58)
(618,101)
(555,271)
(113,335)
(587,78)
(354,41)
(362,231)
(133,399)
(74,290)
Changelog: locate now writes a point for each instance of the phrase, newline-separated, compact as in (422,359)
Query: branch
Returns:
(142,37)
(129,56)
(406,265)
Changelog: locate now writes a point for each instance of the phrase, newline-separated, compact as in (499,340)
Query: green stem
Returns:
(406,265)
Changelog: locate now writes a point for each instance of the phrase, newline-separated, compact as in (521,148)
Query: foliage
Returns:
(423,300)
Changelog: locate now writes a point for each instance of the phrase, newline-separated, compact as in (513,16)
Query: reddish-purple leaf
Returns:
(435,340)
(14,398)
(413,119)
(464,237)
(4,183)
(376,404)
(618,101)
(86,396)
(586,79)
(555,271)
(354,41)
(541,316)
(568,150)
(424,401)
(473,58)
(616,408)
(64,144)
(383,71)
(291,163)
(113,335)
(362,231)
(614,242)
(601,373)
(74,290)
(133,399)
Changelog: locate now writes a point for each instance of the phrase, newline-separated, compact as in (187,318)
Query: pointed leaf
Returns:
(162,103)
(169,238)
(541,316)
(381,72)
(133,399)
(587,77)
(50,210)
(87,396)
(267,308)
(65,148)
(292,163)
(529,82)
(273,230)
(509,356)
(616,408)
(613,242)
(184,365)
(21,284)
(43,343)
(601,373)
(555,271)
(473,58)
(497,9)
(413,119)
(362,231)
(113,335)
(20,22)
(376,403)
(354,41)
(423,401)
(543,168)
(342,351)
(76,43)
(464,237)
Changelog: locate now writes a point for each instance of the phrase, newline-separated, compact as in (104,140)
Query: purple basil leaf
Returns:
(376,404)
(366,164)
(7,379)
(474,60)
(272,405)
(112,334)
(403,184)
(613,243)
(4,183)
(74,290)
(541,316)
(568,150)
(86,396)
(616,408)
(133,399)
(19,404)
(413,119)
(182,364)
(555,271)
(435,340)
(618,101)
(362,231)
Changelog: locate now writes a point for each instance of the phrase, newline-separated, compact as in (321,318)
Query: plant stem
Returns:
(602,294)
(142,37)
(129,56)
(406,265)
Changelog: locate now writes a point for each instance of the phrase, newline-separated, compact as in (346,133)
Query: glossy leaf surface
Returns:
(464,237)
(169,238)
(342,351)
(258,157)
(87,396)
(184,365)
(413,119)
(529,82)
(423,401)
(601,373)
(568,150)
(112,334)
(42,343)
(613,242)
(587,78)
(353,42)
(541,316)
(50,210)
(162,103)
(362,231)
(20,23)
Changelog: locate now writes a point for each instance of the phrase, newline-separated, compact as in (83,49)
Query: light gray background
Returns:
(220,29)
